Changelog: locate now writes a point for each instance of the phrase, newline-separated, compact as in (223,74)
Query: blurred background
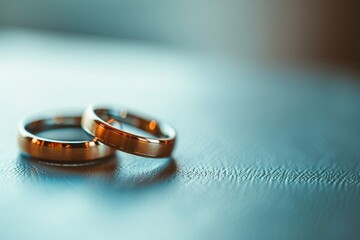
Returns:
(301,32)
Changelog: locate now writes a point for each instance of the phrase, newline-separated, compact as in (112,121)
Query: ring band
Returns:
(54,150)
(97,121)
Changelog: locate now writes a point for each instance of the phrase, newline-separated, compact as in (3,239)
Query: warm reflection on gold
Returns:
(51,150)
(111,121)
(90,144)
(152,124)
(95,121)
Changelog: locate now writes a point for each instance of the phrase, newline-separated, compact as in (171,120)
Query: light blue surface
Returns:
(262,153)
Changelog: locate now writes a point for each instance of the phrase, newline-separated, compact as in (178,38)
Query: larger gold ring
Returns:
(98,121)
(54,150)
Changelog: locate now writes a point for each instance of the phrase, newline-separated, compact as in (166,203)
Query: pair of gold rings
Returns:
(104,126)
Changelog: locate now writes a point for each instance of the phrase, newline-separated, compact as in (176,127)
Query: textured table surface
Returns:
(262,153)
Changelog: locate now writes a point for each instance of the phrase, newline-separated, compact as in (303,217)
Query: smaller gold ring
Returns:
(54,150)
(98,121)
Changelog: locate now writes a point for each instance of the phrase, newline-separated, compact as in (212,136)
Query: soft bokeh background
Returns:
(264,96)
(319,32)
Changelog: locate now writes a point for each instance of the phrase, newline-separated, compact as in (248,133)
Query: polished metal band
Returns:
(54,150)
(98,121)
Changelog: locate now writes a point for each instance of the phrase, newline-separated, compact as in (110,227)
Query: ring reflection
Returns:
(118,171)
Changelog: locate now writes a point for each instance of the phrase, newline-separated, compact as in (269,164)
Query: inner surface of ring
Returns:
(59,128)
(147,125)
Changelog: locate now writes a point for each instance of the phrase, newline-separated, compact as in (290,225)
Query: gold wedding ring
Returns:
(54,150)
(105,126)
(99,122)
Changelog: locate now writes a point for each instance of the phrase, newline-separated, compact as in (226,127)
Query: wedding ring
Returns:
(99,122)
(32,144)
